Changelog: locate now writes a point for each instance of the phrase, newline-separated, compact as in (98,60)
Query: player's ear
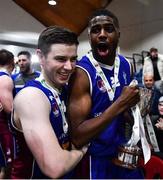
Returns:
(40,56)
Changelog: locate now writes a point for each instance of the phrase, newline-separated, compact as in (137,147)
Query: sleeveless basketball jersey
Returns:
(20,79)
(22,164)
(3,115)
(3,128)
(113,135)
(6,139)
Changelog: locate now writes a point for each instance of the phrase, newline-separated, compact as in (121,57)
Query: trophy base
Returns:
(128,157)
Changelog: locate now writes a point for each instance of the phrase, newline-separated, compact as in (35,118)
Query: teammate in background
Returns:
(39,121)
(26,72)
(99,95)
(6,101)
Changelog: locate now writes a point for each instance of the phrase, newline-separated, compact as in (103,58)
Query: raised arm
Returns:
(79,107)
(32,108)
(6,93)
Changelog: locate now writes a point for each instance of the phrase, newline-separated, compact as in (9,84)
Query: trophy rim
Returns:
(125,165)
(127,149)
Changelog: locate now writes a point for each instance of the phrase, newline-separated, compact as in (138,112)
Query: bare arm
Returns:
(33,108)
(6,93)
(79,107)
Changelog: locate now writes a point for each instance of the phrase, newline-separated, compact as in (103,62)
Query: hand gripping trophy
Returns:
(129,153)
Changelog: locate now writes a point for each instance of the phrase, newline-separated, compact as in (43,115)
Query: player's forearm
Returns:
(91,128)
(72,159)
(65,163)
(7,107)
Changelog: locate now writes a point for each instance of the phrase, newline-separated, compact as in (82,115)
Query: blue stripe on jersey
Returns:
(3,73)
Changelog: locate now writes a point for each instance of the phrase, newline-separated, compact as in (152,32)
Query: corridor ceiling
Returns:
(72,14)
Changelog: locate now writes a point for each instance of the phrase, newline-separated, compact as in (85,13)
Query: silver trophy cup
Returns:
(129,155)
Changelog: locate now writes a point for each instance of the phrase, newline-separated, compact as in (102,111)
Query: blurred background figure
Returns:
(153,64)
(26,71)
(157,121)
(149,83)
(6,100)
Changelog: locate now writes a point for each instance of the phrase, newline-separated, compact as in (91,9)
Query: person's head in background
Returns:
(148,81)
(104,33)
(160,106)
(24,62)
(154,53)
(57,51)
(6,60)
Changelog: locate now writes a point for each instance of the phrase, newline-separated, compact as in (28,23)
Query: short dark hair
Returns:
(56,35)
(6,57)
(26,53)
(153,49)
(104,12)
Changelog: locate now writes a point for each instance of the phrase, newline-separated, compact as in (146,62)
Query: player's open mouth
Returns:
(103,49)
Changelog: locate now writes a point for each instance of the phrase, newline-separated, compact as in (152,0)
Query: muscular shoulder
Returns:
(78,85)
(30,98)
(79,79)
(6,82)
(87,68)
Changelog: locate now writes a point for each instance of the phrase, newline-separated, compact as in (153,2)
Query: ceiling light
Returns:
(52,2)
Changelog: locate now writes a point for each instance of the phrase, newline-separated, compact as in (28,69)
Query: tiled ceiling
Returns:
(72,14)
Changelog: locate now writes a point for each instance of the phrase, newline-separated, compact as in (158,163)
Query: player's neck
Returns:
(52,84)
(109,60)
(4,69)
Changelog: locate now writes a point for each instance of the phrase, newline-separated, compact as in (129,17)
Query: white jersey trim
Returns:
(90,82)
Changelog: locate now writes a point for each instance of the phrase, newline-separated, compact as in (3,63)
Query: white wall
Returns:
(84,46)
(141,23)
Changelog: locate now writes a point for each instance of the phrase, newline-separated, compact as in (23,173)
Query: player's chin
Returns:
(22,69)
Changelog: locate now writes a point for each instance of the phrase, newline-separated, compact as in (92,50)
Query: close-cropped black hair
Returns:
(104,12)
(6,57)
(56,35)
(26,53)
